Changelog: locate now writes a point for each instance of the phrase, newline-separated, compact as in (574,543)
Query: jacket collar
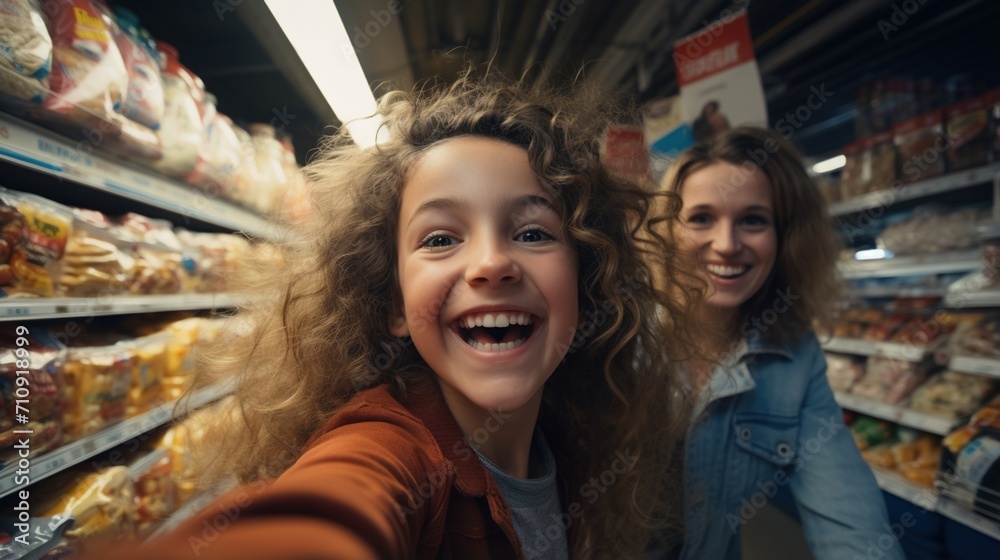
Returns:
(425,400)
(761,345)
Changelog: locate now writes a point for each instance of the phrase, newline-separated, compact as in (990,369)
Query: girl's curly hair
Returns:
(321,321)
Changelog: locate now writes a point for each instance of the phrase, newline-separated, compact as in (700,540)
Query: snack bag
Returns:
(25,51)
(89,77)
(36,259)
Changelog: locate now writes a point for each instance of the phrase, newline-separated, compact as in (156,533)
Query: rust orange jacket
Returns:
(383,480)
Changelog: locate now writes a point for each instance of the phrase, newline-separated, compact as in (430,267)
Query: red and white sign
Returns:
(719,79)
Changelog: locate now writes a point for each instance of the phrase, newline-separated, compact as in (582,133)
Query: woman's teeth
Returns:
(727,271)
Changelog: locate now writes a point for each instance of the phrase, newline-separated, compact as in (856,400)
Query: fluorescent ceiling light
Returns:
(873,254)
(829,165)
(317,33)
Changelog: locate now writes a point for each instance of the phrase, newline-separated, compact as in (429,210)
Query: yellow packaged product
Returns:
(36,259)
(102,504)
(181,356)
(148,370)
(96,264)
(98,379)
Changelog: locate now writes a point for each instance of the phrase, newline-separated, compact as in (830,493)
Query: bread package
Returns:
(25,51)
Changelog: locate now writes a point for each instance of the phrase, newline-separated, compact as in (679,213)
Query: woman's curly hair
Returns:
(321,321)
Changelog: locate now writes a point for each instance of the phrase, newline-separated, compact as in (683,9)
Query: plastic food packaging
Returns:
(12,226)
(978,339)
(889,381)
(89,78)
(98,380)
(968,132)
(102,503)
(148,370)
(143,102)
(36,260)
(852,177)
(270,172)
(25,51)
(951,394)
(96,262)
(931,229)
(843,371)
(155,496)
(46,358)
(219,157)
(922,145)
(221,255)
(182,128)
(869,431)
(970,462)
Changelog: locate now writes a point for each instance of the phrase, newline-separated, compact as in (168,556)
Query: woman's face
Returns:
(728,221)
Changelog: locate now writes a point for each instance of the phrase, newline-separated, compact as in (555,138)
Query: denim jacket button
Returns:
(784,449)
(745,434)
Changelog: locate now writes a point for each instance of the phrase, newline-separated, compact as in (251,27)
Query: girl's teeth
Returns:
(727,270)
(497,320)
(495,347)
(488,321)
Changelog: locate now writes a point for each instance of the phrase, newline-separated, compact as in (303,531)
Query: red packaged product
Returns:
(89,77)
(922,145)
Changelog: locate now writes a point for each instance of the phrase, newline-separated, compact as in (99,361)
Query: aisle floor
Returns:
(772,534)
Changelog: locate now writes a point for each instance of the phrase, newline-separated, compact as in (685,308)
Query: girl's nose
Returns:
(492,264)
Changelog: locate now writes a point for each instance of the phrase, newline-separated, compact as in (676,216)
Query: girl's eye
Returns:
(536,234)
(698,219)
(437,241)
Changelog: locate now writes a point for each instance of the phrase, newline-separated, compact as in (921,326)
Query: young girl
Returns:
(462,356)
(766,417)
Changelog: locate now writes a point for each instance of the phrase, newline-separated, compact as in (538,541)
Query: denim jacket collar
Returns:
(760,345)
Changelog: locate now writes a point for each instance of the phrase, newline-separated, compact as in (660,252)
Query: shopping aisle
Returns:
(772,534)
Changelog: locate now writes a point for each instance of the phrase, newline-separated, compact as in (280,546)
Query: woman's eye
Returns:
(698,219)
(755,221)
(437,241)
(536,235)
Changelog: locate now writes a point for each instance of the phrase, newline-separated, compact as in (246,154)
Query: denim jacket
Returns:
(772,421)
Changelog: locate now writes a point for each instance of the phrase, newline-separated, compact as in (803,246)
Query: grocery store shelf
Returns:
(898,486)
(78,451)
(186,511)
(13,309)
(929,500)
(891,350)
(984,298)
(901,415)
(885,198)
(32,147)
(937,263)
(143,465)
(912,292)
(989,367)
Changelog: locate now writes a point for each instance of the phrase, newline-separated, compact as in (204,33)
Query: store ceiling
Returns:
(244,59)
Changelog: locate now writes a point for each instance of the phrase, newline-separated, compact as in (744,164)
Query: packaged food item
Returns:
(89,78)
(12,226)
(869,432)
(921,144)
(221,255)
(96,262)
(978,338)
(148,370)
(98,380)
(842,371)
(970,462)
(181,356)
(102,503)
(156,270)
(143,100)
(889,381)
(36,260)
(882,330)
(25,51)
(43,359)
(968,132)
(155,496)
(881,158)
(952,394)
(853,181)
(933,229)
(181,128)
(270,175)
(219,158)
